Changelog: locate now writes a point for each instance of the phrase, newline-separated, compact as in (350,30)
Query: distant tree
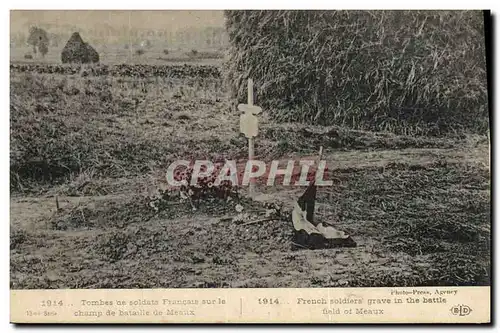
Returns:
(39,40)
(43,48)
(55,39)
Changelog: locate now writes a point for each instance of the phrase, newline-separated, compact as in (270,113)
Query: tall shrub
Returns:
(417,72)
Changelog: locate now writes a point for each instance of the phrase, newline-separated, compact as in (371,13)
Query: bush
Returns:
(412,72)
(43,48)
(58,129)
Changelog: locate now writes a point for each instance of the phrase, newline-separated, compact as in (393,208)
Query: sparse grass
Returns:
(195,54)
(439,211)
(289,137)
(65,126)
(17,237)
(112,214)
(422,227)
(101,141)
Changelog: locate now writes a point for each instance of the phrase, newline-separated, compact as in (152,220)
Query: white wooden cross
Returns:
(249,125)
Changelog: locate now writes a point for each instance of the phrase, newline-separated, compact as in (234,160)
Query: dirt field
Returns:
(418,207)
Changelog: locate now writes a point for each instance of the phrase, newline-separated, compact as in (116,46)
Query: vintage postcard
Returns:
(258,166)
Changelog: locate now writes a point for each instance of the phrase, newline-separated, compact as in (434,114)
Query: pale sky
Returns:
(171,20)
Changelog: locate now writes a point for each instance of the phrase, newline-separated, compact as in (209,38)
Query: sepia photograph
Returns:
(250,149)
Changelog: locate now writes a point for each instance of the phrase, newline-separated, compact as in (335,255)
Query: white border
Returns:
(255,4)
(189,4)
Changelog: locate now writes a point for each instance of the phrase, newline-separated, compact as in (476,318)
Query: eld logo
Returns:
(461,310)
